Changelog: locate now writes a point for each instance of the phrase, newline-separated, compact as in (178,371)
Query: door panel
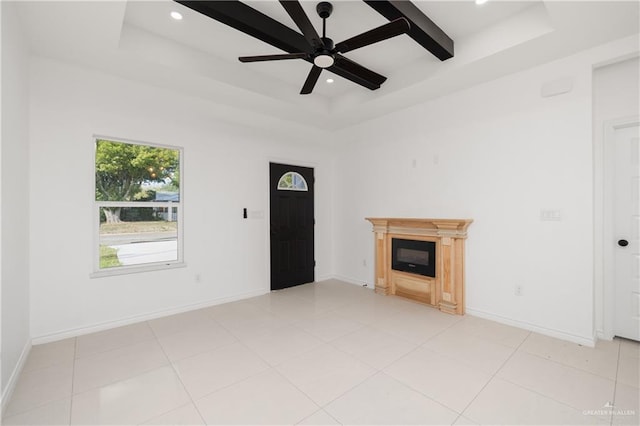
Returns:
(626,228)
(292,226)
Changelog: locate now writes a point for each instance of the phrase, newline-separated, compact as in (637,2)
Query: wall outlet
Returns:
(518,290)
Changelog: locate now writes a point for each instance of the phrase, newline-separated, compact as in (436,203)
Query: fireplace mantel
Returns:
(444,291)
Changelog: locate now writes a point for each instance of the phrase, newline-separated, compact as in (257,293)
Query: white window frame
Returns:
(145,267)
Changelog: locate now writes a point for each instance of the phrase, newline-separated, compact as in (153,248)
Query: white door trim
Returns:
(604,278)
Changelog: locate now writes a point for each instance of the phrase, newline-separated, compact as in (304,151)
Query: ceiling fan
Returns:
(322,51)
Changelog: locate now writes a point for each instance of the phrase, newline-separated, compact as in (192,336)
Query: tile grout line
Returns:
(324,411)
(3,415)
(581,370)
(365,362)
(118,347)
(615,385)
(543,395)
(274,368)
(73,375)
(535,391)
(271,367)
(239,342)
(375,371)
(422,346)
(422,394)
(516,349)
(178,377)
(381,370)
(320,407)
(137,374)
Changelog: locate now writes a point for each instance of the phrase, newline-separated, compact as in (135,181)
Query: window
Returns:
(292,181)
(137,206)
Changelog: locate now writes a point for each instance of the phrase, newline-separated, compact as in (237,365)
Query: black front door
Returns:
(292,223)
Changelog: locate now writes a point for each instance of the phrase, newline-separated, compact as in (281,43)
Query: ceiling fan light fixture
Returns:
(329,80)
(176,15)
(323,61)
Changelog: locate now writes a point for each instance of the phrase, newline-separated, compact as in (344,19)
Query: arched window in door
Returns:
(292,181)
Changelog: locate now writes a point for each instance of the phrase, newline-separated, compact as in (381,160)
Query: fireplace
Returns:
(414,256)
(407,265)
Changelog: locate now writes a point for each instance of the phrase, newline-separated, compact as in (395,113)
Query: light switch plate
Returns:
(550,214)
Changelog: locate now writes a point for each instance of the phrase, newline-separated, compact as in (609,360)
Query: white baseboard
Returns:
(139,318)
(581,340)
(602,335)
(359,283)
(74,332)
(13,379)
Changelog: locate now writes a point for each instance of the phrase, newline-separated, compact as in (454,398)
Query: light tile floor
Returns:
(325,353)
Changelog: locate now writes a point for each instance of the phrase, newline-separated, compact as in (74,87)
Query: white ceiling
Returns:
(198,56)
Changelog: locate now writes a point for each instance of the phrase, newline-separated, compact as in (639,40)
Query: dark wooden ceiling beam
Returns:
(252,22)
(423,30)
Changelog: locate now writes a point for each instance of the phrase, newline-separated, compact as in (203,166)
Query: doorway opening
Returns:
(616,112)
(621,229)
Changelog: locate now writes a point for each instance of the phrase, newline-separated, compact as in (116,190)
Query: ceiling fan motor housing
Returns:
(324,9)
(328,43)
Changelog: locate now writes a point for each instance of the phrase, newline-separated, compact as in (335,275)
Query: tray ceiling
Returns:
(198,56)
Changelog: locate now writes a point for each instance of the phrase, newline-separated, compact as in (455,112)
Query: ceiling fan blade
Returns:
(357,73)
(386,31)
(295,11)
(311,80)
(261,58)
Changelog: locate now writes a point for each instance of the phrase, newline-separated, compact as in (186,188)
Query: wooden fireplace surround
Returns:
(446,290)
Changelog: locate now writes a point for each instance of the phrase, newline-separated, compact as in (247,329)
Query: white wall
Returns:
(497,153)
(14,180)
(225,169)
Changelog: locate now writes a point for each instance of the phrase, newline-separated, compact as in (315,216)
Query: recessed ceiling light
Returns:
(176,15)
(329,80)
(481,1)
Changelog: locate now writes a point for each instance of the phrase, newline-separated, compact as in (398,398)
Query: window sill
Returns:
(126,270)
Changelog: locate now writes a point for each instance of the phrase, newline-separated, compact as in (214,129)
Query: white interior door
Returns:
(626,232)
